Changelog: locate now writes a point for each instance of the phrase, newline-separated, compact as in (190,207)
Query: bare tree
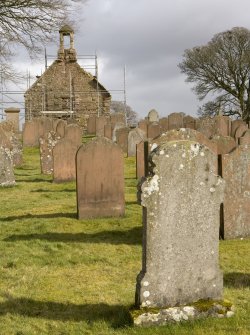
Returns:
(30,23)
(119,107)
(222,67)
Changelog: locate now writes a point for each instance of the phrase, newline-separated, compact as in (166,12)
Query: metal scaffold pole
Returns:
(125,96)
(97,85)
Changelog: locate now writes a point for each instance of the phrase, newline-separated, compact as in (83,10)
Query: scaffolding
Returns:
(15,98)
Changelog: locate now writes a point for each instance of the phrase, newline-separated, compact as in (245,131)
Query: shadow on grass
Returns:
(116,315)
(36,180)
(40,190)
(237,279)
(40,216)
(132,236)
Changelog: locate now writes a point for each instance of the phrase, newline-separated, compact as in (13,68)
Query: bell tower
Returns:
(64,54)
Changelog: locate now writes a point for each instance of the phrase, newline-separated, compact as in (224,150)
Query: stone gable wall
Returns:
(51,92)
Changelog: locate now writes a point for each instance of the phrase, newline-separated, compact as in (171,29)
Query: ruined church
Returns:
(65,89)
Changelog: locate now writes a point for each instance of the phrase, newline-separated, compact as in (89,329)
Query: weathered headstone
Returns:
(181,204)
(73,133)
(235,124)
(206,125)
(163,122)
(222,125)
(64,167)
(60,128)
(122,139)
(91,125)
(7,177)
(153,116)
(143,125)
(100,179)
(108,131)
(30,134)
(47,143)
(154,130)
(236,172)
(239,132)
(117,118)
(189,122)
(135,136)
(225,144)
(175,121)
(12,115)
(140,159)
(245,139)
(100,123)
(184,134)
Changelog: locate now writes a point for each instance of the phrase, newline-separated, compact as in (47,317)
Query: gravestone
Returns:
(175,121)
(154,130)
(236,172)
(47,143)
(55,123)
(223,125)
(135,136)
(7,177)
(153,116)
(245,139)
(74,134)
(239,132)
(181,214)
(117,118)
(100,123)
(91,125)
(163,122)
(225,144)
(189,122)
(235,124)
(108,131)
(207,126)
(100,179)
(122,139)
(64,167)
(12,115)
(30,134)
(140,159)
(60,128)
(184,134)
(143,125)
(10,141)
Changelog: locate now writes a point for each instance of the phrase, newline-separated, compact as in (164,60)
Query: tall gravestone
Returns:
(153,116)
(47,143)
(30,134)
(135,136)
(60,128)
(236,172)
(181,215)
(175,121)
(7,177)
(100,179)
(64,168)
(73,133)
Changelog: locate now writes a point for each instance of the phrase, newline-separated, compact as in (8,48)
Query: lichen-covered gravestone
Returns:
(7,177)
(100,179)
(47,143)
(181,204)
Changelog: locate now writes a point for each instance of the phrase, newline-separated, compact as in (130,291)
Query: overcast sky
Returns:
(149,37)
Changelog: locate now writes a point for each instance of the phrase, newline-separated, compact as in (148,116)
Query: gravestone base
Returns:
(100,209)
(147,317)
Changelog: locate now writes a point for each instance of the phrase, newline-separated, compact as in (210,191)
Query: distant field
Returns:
(61,276)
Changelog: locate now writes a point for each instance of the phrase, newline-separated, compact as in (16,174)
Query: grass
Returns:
(60,275)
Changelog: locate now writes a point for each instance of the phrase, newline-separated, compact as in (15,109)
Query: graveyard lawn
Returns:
(60,275)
